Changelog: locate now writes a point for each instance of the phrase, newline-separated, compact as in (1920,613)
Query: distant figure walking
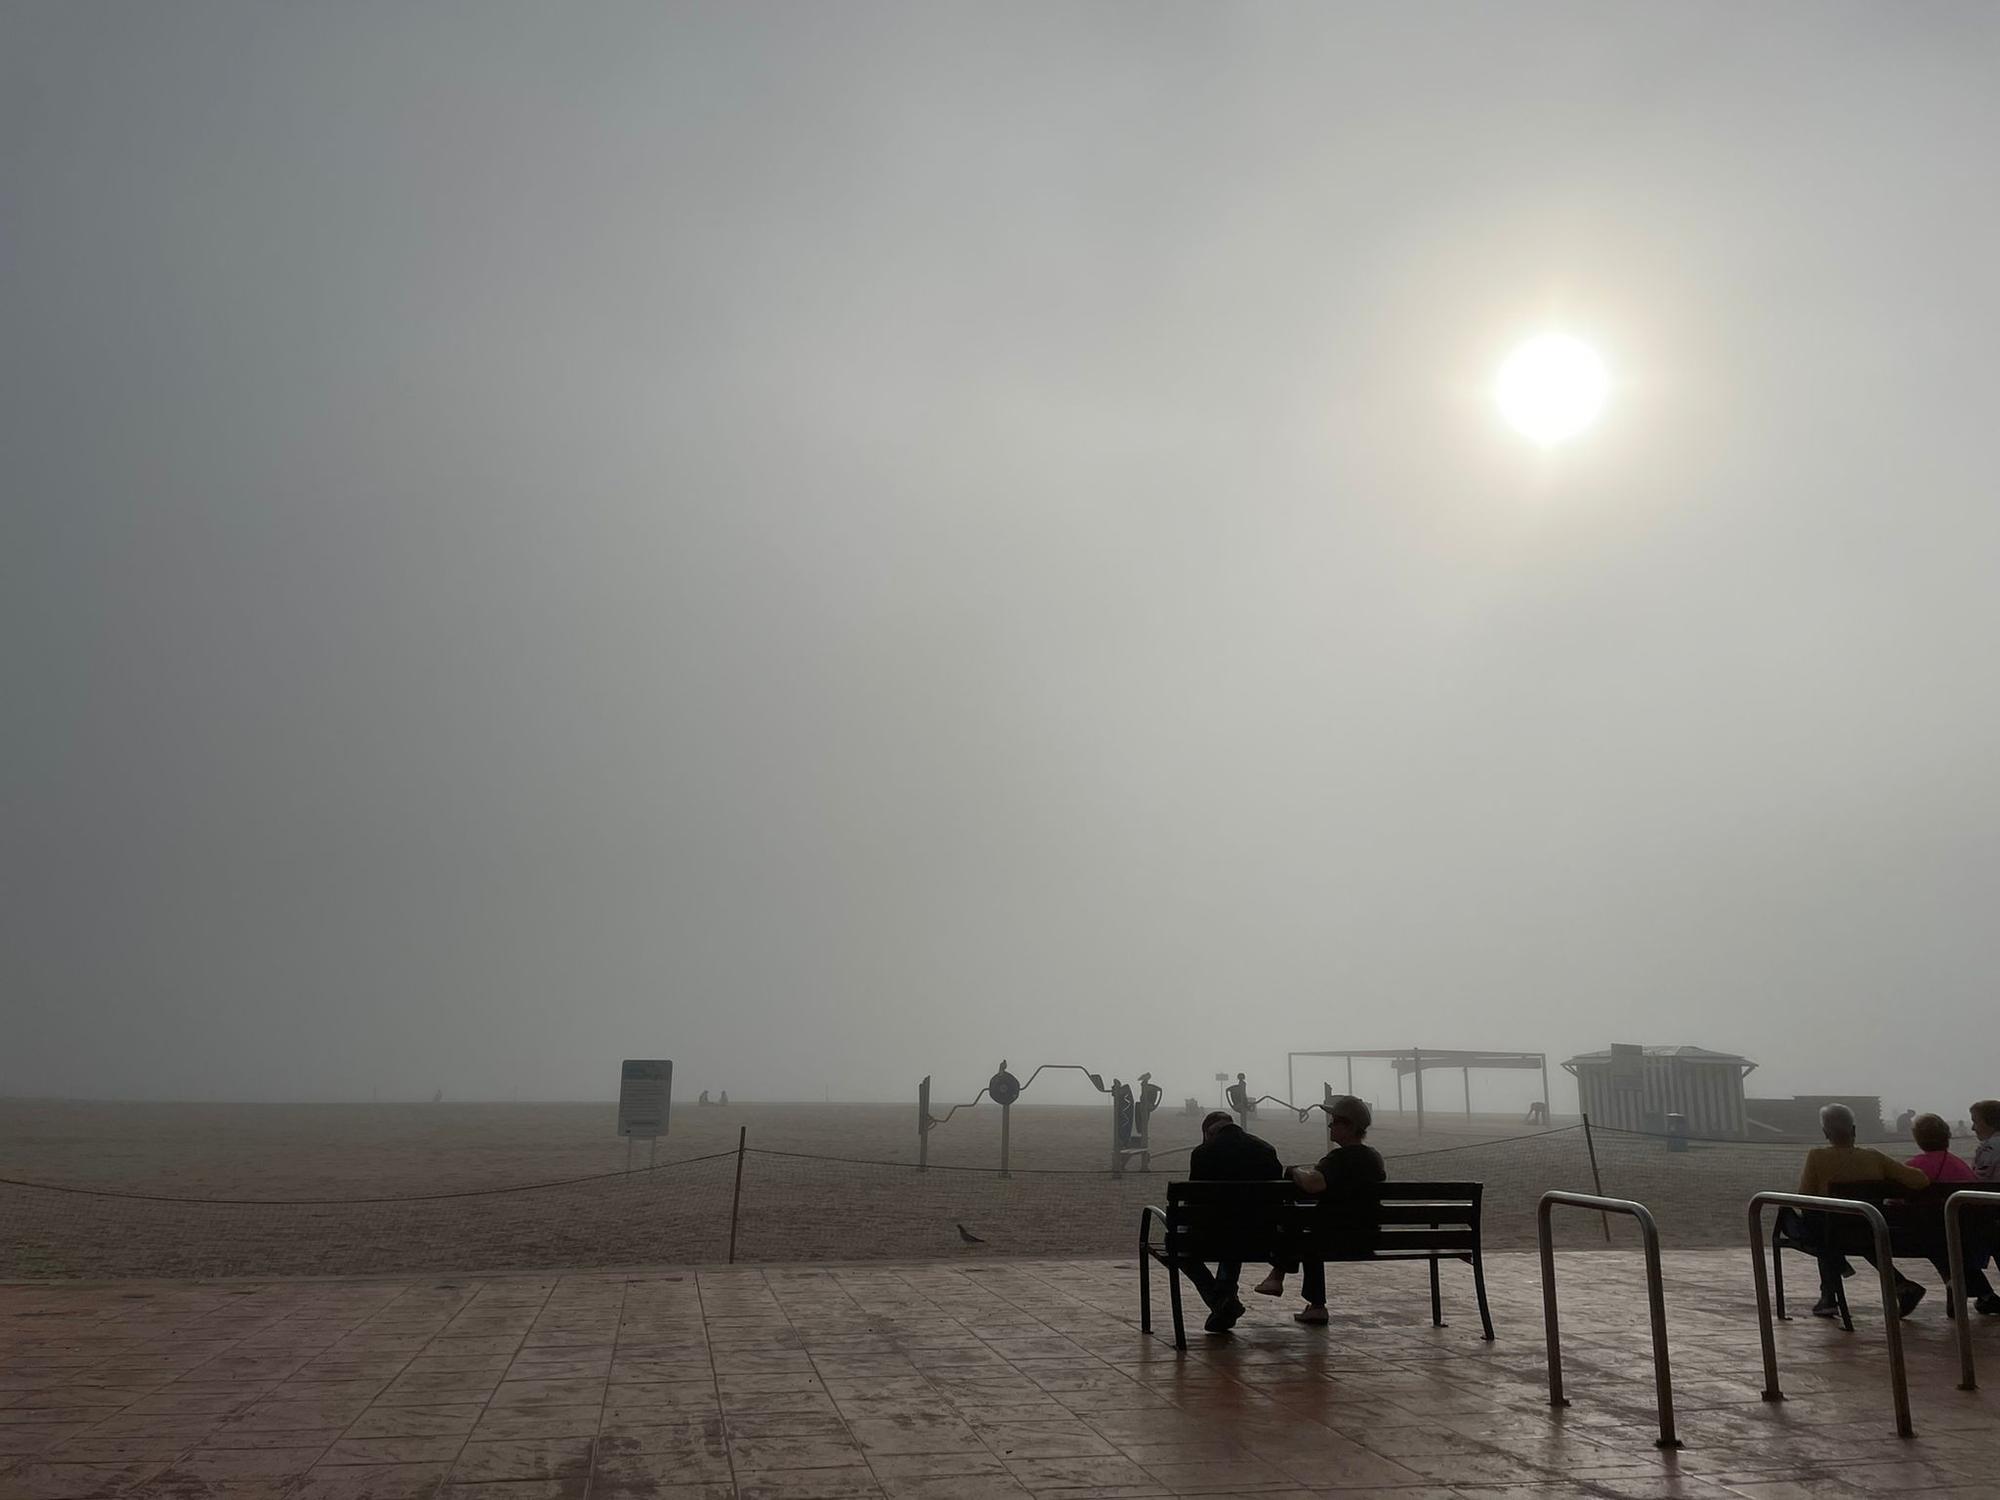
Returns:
(1538,1113)
(703,1099)
(724,1099)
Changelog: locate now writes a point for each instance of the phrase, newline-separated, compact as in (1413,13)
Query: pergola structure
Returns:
(1413,1061)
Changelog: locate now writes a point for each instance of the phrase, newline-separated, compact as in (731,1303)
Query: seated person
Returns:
(1935,1158)
(1344,1181)
(1946,1170)
(1227,1153)
(1985,1118)
(1841,1161)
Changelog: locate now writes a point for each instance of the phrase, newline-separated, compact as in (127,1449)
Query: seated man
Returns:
(1841,1161)
(1227,1153)
(1985,1117)
(1344,1181)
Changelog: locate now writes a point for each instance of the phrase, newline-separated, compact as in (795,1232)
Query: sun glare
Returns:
(1551,388)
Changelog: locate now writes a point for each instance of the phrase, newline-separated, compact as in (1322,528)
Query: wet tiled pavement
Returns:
(955,1382)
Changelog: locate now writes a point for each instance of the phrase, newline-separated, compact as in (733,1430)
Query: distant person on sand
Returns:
(1985,1121)
(1227,1153)
(1346,1181)
(723,1098)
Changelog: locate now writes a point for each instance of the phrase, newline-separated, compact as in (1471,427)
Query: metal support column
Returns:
(1954,1240)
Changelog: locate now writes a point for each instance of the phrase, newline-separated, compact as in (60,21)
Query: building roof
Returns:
(1691,1054)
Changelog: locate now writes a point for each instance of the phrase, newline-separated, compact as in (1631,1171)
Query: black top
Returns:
(1232,1154)
(1352,1174)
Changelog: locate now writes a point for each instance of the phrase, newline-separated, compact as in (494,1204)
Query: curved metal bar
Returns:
(1656,1299)
(1954,1242)
(1885,1265)
(941,1119)
(1095,1078)
(1303,1114)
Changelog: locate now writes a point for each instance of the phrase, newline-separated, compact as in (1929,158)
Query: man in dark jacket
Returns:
(1227,1153)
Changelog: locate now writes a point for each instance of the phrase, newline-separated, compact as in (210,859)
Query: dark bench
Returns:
(1259,1222)
(1916,1231)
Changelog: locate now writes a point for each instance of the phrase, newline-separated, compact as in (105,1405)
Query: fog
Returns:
(836,543)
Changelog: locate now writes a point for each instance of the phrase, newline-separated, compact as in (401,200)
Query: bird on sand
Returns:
(968,1236)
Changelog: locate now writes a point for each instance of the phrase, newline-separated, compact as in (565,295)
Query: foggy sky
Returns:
(838,542)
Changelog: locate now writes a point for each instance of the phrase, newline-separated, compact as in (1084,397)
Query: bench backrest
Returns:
(1425,1216)
(1227,1219)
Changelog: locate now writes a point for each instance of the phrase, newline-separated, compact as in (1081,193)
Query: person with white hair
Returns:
(1839,1163)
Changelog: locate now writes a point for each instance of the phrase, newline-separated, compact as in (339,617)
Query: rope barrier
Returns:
(523,1187)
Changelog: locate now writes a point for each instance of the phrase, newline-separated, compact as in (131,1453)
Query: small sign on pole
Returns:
(645,1096)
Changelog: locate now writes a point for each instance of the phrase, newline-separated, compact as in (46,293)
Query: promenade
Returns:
(956,1382)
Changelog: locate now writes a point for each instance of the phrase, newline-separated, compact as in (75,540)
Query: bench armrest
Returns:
(1146,1216)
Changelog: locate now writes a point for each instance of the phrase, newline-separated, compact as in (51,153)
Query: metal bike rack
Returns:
(1954,1240)
(1885,1264)
(1663,1383)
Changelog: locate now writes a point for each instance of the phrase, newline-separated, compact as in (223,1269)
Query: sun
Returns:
(1551,388)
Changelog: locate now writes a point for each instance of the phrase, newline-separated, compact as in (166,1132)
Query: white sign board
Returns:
(645,1093)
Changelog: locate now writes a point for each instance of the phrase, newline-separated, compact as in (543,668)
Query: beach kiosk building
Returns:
(1635,1088)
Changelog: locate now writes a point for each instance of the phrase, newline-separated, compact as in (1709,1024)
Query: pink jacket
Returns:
(1942,1166)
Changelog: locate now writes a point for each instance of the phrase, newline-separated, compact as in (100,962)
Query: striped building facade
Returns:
(1706,1087)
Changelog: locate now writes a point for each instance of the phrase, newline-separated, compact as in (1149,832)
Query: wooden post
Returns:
(1417,1057)
(1596,1182)
(736,1198)
(1005,1111)
(924,1124)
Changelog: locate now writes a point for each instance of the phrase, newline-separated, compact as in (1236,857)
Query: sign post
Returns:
(645,1098)
(924,1124)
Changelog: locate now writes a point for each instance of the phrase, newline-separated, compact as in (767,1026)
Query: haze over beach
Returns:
(841,543)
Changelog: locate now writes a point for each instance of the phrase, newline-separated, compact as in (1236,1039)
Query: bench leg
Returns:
(1174,1295)
(1778,1276)
(1437,1302)
(1479,1289)
(1145,1291)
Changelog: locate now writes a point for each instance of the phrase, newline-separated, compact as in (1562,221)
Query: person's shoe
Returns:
(1224,1317)
(1907,1297)
(1272,1285)
(1312,1314)
(1989,1305)
(1826,1307)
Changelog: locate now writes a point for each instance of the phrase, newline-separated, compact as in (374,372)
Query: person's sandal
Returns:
(1316,1316)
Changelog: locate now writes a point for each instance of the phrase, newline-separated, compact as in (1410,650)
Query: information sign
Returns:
(645,1094)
